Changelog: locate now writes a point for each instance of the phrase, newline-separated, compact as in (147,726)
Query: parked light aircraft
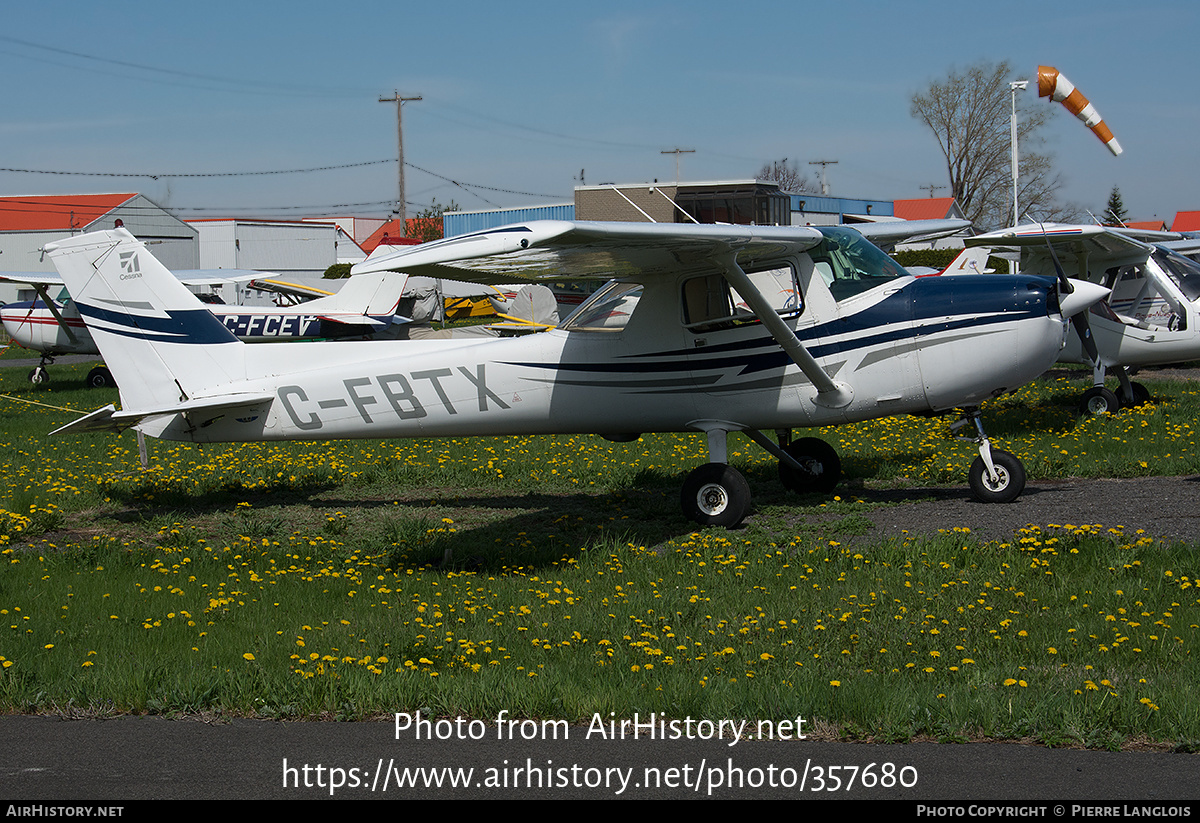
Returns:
(54,327)
(1152,316)
(709,328)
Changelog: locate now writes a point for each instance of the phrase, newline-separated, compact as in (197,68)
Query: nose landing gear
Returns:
(996,476)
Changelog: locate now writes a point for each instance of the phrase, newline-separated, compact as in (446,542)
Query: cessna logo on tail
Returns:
(129,265)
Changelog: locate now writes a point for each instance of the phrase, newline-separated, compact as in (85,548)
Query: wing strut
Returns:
(50,304)
(831,394)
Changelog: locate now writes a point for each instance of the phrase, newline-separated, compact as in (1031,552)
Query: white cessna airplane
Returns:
(1152,316)
(54,327)
(711,328)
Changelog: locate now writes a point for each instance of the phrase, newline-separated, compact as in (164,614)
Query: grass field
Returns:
(555,577)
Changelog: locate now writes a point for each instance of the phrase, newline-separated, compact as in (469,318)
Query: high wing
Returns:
(32,278)
(909,231)
(1088,247)
(294,291)
(1187,245)
(217,277)
(561,250)
(189,277)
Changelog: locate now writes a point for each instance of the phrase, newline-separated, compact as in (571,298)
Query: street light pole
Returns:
(1015,86)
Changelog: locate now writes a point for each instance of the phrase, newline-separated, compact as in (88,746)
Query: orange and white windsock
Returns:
(1054,85)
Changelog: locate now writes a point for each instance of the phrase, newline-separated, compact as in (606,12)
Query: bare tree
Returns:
(969,112)
(789,178)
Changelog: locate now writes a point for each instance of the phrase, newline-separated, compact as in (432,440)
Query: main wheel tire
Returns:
(101,378)
(1010,478)
(1098,400)
(824,464)
(1141,394)
(39,375)
(716,495)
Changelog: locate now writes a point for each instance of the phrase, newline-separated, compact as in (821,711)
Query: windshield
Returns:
(1183,270)
(850,264)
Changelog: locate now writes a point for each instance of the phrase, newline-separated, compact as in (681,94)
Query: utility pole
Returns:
(823,164)
(401,207)
(678,151)
(932,188)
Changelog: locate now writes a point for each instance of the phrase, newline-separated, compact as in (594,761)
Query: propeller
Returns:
(1076,296)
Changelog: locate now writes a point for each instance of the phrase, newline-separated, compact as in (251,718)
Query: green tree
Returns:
(427,224)
(1114,212)
(969,112)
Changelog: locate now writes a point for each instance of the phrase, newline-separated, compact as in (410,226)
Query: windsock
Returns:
(1054,85)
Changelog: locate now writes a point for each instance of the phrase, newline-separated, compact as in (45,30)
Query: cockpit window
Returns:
(710,303)
(1142,298)
(608,310)
(1183,270)
(850,264)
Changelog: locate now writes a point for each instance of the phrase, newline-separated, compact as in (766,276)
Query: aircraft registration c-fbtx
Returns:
(709,328)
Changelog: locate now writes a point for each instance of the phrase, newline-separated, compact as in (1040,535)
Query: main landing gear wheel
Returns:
(1099,400)
(39,375)
(101,378)
(823,464)
(716,495)
(1141,394)
(1010,478)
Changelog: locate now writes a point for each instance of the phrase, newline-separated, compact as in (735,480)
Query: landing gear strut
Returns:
(996,476)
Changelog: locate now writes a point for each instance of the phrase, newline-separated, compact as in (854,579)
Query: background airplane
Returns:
(1151,318)
(835,332)
(53,327)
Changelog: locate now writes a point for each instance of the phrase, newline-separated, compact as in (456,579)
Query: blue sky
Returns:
(519,97)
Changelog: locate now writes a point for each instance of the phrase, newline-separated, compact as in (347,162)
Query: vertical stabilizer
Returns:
(161,344)
(376,294)
(971,260)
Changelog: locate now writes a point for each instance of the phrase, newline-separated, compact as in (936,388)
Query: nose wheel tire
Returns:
(39,375)
(1009,482)
(715,495)
(823,464)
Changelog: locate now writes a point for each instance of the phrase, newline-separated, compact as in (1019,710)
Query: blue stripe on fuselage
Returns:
(963,302)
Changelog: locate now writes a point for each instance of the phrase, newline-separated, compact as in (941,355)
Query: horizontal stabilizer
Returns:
(110,420)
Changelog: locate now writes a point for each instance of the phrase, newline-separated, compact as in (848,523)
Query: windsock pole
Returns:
(1052,84)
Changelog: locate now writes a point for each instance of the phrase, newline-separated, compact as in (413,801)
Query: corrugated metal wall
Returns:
(455,223)
(263,246)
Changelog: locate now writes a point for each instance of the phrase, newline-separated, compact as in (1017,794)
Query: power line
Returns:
(230,84)
(161,175)
(476,186)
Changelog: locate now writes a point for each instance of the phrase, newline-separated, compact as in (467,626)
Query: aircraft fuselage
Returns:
(910,346)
